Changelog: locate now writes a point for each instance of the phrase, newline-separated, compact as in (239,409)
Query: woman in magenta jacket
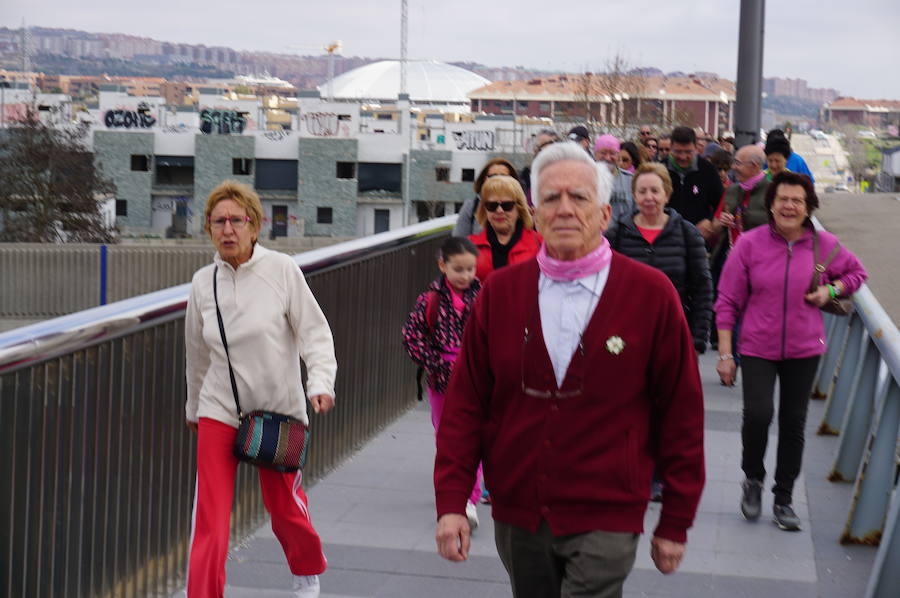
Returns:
(765,285)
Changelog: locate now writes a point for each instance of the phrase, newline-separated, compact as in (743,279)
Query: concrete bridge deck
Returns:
(376,517)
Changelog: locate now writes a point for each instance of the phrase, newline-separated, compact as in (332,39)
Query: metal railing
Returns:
(98,464)
(43,280)
(859,374)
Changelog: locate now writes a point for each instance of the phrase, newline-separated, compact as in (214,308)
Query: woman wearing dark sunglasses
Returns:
(508,236)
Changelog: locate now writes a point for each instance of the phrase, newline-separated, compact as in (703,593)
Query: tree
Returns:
(50,189)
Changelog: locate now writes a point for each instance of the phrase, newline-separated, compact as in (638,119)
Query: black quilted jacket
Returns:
(680,253)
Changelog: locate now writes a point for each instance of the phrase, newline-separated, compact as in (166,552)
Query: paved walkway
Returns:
(376,516)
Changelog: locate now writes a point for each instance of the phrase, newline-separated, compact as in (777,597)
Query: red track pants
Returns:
(284,500)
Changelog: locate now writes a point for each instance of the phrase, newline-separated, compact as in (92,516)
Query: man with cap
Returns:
(606,151)
(580,135)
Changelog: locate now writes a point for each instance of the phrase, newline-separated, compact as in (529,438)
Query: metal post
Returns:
(837,335)
(852,361)
(885,577)
(858,418)
(749,72)
(875,479)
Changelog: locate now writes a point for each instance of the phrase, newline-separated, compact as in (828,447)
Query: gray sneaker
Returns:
(785,518)
(751,501)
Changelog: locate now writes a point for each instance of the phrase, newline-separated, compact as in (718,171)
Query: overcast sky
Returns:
(852,46)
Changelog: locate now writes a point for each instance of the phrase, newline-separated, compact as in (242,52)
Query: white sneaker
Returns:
(306,586)
(472,516)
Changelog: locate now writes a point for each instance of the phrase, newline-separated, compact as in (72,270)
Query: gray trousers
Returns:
(541,565)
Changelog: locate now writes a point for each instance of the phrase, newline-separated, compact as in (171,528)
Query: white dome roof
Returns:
(427,81)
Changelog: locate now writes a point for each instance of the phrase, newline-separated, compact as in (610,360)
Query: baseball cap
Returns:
(578,133)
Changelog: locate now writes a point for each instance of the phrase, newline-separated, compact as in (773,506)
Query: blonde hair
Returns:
(505,186)
(653,168)
(242,194)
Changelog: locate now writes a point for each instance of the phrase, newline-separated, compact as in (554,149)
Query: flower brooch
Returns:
(615,344)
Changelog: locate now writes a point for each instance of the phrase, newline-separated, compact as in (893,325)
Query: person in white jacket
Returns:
(271,320)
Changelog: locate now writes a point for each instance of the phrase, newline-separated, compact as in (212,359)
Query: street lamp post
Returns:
(749,72)
(3,86)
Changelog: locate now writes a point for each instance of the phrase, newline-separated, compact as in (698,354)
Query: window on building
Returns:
(140,163)
(343,117)
(174,170)
(523,105)
(468,174)
(324,216)
(121,207)
(385,116)
(382,220)
(276,175)
(442,173)
(378,176)
(241,166)
(346,170)
(545,107)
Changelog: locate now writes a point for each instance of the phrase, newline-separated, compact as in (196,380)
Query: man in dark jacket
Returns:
(697,188)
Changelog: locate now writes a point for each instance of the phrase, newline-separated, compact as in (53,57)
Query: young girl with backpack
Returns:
(433,331)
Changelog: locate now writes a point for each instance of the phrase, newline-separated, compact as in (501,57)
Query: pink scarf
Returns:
(750,183)
(574,269)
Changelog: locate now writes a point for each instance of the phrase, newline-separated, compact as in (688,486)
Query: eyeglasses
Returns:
(237,222)
(645,132)
(507,206)
(652,146)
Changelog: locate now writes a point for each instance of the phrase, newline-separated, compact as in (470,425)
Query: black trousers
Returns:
(795,380)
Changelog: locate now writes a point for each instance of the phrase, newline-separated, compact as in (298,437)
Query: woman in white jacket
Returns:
(271,320)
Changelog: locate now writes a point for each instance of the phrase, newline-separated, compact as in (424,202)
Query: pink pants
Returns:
(284,500)
(437,407)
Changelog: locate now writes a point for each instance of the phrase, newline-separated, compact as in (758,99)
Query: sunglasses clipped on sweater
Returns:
(491,206)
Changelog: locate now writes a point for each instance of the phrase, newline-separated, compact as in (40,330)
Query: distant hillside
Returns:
(62,65)
(787,105)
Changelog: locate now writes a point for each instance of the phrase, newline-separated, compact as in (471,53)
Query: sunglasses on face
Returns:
(507,206)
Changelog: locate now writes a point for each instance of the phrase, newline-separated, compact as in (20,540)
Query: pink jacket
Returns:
(763,284)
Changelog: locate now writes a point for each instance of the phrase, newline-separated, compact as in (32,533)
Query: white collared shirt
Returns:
(566,308)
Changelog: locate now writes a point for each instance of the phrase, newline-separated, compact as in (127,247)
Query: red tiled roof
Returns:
(601,87)
(856,104)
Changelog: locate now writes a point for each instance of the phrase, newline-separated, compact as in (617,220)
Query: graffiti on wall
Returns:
(129,119)
(474,140)
(277,135)
(327,124)
(321,124)
(222,122)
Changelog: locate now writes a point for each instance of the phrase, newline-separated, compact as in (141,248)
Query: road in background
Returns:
(868,224)
(824,156)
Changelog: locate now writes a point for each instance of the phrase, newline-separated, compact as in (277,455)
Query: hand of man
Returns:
(666,554)
(452,537)
(193,426)
(727,370)
(819,297)
(705,228)
(321,403)
(726,219)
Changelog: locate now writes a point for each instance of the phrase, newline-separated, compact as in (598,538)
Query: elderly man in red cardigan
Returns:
(577,378)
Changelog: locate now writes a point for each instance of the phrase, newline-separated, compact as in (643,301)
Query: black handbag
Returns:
(264,438)
(838,306)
